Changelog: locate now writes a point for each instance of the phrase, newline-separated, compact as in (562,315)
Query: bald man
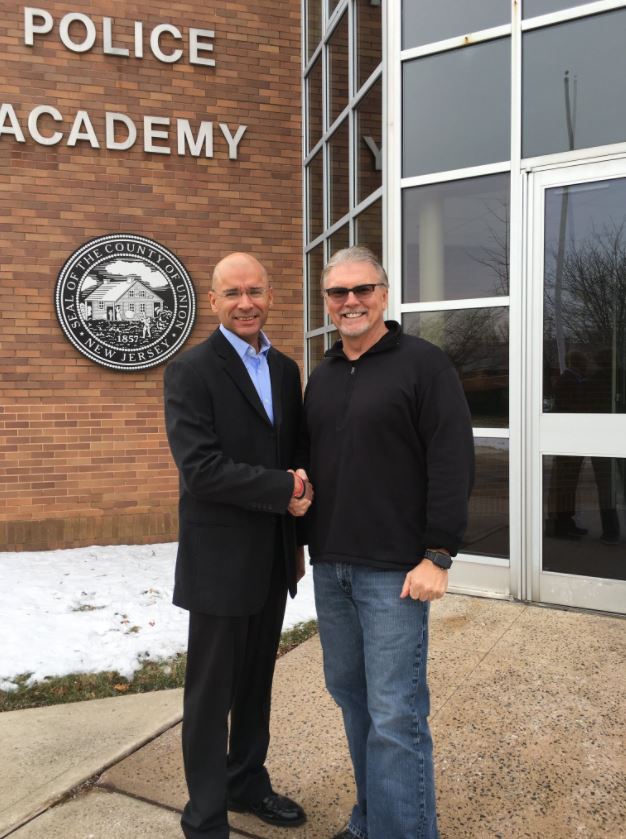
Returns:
(232,410)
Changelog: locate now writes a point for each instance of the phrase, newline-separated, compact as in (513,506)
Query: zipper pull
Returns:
(352,371)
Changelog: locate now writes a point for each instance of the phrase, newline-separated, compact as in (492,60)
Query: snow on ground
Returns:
(93,609)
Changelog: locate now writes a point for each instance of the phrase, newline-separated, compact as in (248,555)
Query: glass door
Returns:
(577,385)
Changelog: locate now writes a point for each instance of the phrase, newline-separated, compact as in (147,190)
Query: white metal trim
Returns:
(481,432)
(534,360)
(392,155)
(456,174)
(517,475)
(319,330)
(468,39)
(365,203)
(479,578)
(574,13)
(595,435)
(597,593)
(577,157)
(479,559)
(332,19)
(548,434)
(451,305)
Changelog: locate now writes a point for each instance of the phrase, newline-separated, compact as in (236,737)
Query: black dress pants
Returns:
(230,667)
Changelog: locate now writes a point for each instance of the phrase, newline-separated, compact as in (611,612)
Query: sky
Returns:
(93,609)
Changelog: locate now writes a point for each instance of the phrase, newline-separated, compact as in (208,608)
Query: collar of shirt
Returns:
(257,366)
(243,348)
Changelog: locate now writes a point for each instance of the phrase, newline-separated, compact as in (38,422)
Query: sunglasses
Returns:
(339,294)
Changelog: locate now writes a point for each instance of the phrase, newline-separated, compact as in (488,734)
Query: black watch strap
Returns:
(439,558)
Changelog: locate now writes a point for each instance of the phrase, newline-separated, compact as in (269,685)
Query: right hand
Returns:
(299,506)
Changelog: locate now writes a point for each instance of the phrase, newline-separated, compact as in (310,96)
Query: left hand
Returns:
(425,582)
(300,570)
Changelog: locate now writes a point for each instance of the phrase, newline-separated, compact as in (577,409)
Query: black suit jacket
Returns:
(234,488)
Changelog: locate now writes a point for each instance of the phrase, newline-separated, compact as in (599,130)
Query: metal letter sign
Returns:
(125,302)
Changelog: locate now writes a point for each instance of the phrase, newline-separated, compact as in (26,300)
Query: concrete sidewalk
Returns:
(528,717)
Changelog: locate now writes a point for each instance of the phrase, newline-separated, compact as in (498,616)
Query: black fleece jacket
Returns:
(391,454)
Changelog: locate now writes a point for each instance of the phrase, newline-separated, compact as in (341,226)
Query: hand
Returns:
(299,506)
(300,570)
(425,582)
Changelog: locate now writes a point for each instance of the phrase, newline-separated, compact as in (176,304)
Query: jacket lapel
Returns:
(276,364)
(236,369)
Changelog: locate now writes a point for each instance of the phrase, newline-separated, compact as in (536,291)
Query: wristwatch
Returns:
(439,558)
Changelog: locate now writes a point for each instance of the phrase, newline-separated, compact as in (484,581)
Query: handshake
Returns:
(302,493)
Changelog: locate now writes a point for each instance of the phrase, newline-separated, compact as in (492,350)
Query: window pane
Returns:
(584,510)
(426,21)
(315,172)
(477,342)
(339,240)
(332,5)
(315,348)
(314,98)
(369,39)
(369,229)
(315,263)
(456,239)
(488,525)
(338,90)
(533,8)
(333,336)
(456,108)
(573,85)
(339,163)
(585,298)
(369,134)
(314,25)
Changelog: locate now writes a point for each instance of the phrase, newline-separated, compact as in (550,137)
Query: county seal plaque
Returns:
(125,302)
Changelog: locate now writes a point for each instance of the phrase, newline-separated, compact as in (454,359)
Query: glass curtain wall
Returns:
(342,72)
(455,210)
(486,86)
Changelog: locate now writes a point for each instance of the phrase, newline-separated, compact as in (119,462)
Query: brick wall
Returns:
(83,454)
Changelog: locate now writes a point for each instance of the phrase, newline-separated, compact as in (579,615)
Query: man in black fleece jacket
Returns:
(391,459)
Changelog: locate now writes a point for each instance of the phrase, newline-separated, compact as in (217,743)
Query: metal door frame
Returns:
(587,434)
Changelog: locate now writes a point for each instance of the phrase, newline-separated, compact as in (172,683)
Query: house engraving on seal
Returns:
(125,302)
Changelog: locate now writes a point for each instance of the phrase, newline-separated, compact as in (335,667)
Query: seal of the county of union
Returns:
(125,301)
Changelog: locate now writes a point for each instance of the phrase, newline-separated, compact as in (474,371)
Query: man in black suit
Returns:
(232,409)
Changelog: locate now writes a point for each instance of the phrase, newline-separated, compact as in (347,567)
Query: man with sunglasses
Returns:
(391,459)
(233,412)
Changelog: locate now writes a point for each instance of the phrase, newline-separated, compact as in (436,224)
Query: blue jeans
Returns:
(375,649)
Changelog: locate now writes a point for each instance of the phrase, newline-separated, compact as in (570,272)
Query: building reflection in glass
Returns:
(585,299)
(369,131)
(584,510)
(339,170)
(315,259)
(488,526)
(315,348)
(456,239)
(477,342)
(368,229)
(369,39)
(338,70)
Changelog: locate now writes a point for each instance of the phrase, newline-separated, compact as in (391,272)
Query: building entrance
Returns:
(576,414)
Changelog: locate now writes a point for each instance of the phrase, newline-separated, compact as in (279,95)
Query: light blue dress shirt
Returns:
(256,365)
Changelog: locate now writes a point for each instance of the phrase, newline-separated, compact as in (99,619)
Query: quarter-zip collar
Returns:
(389,341)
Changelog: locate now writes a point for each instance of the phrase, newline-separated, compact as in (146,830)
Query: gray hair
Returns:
(356,253)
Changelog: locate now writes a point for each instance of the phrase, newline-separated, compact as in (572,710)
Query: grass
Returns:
(152,675)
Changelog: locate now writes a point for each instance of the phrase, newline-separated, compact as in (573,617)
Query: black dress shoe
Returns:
(274,809)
